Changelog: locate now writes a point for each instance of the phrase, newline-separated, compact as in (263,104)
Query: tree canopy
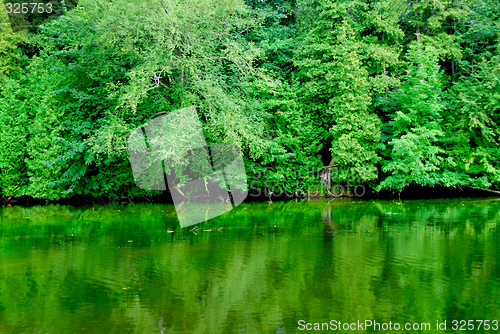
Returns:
(406,88)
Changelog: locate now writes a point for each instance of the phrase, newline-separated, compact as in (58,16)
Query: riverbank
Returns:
(411,193)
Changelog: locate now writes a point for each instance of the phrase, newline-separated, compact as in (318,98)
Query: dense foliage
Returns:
(393,93)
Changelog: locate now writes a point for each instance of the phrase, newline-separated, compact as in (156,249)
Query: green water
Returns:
(257,269)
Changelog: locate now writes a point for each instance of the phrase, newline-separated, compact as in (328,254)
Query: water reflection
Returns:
(326,217)
(257,269)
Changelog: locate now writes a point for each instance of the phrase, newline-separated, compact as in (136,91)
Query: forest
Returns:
(399,93)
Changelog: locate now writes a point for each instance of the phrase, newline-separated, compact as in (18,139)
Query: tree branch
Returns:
(228,58)
(485,189)
(161,3)
(180,192)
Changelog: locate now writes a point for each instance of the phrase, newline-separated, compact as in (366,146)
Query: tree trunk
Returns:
(453,70)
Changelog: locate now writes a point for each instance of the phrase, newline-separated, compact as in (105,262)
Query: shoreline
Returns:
(412,193)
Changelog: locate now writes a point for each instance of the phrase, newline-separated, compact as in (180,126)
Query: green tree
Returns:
(415,154)
(335,88)
(473,128)
(94,85)
(414,134)
(13,139)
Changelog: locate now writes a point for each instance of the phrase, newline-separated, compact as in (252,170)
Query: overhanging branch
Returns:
(485,189)
(161,3)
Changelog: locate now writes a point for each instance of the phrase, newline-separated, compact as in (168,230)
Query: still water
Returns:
(257,269)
